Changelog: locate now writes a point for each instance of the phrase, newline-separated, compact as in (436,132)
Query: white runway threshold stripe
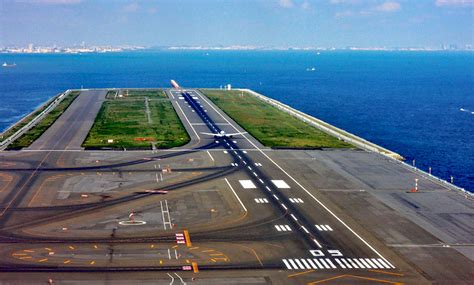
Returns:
(330,264)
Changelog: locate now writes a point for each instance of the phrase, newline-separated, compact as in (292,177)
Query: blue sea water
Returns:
(419,104)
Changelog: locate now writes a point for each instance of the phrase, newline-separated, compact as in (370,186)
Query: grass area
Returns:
(125,122)
(271,126)
(137,94)
(35,132)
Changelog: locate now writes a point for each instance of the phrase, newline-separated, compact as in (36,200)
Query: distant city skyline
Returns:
(258,23)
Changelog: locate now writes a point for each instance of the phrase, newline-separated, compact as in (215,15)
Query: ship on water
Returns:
(8,65)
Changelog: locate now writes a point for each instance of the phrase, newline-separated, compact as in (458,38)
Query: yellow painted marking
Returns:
(196,247)
(220,258)
(161,261)
(195,267)
(187,260)
(385,272)
(208,250)
(213,260)
(187,238)
(152,246)
(67,261)
(43,260)
(214,254)
(356,277)
(92,262)
(25,257)
(300,273)
(48,249)
(72,247)
(19,254)
(174,246)
(28,250)
(95,246)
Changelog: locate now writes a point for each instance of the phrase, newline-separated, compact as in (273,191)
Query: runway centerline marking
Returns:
(297,183)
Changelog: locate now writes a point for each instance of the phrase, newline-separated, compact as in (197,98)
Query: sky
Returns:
(272,23)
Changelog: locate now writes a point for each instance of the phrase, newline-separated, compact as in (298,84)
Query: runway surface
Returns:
(234,211)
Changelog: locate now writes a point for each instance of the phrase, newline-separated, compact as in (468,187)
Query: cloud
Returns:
(455,3)
(130,8)
(388,7)
(50,2)
(286,3)
(344,14)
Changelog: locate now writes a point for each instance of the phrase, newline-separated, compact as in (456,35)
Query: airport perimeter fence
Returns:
(34,121)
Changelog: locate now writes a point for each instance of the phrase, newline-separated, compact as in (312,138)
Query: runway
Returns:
(234,211)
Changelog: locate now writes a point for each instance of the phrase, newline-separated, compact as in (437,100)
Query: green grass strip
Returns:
(271,126)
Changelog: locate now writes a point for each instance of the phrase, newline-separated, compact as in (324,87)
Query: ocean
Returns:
(419,104)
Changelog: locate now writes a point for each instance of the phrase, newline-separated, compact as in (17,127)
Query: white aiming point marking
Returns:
(281,184)
(247,184)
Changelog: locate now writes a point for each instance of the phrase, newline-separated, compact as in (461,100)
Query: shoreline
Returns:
(315,122)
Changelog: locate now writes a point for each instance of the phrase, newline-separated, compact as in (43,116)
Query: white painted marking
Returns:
(299,184)
(383,263)
(328,227)
(346,263)
(278,228)
(352,263)
(318,227)
(305,229)
(250,168)
(244,151)
(299,264)
(240,201)
(319,264)
(330,263)
(340,264)
(247,184)
(376,263)
(323,227)
(284,207)
(286,264)
(281,184)
(358,263)
(261,181)
(317,243)
(288,228)
(301,200)
(305,264)
(311,263)
(269,190)
(225,151)
(187,120)
(275,196)
(293,216)
(255,174)
(324,263)
(335,252)
(370,262)
(365,263)
(316,252)
(293,264)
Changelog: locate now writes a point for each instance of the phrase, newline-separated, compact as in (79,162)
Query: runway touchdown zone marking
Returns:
(281,184)
(283,228)
(324,228)
(261,200)
(247,184)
